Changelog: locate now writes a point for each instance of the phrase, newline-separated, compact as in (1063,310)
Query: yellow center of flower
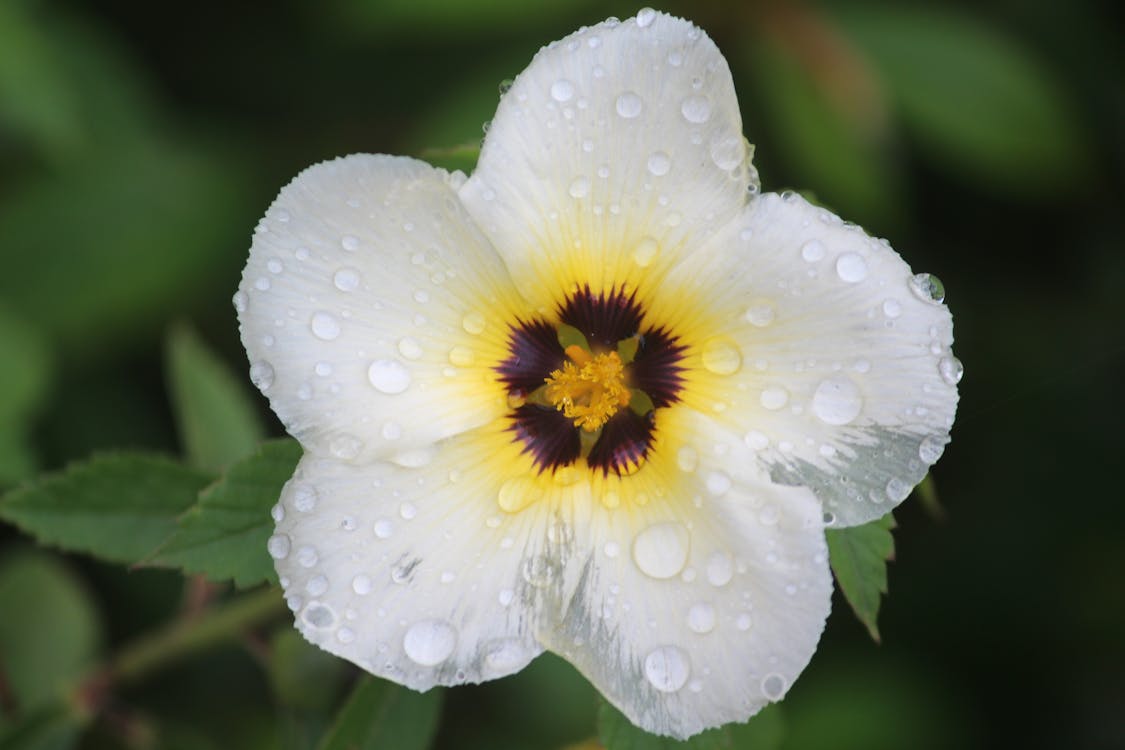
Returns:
(590,388)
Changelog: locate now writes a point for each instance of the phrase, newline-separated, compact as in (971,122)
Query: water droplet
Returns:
(720,569)
(951,370)
(743,622)
(307,557)
(388,376)
(346,279)
(701,618)
(851,267)
(661,550)
(774,398)
(645,17)
(562,90)
(756,440)
(812,251)
(645,252)
(409,347)
(892,308)
(273,265)
(897,490)
(579,188)
(361,584)
(539,571)
(278,546)
(629,105)
(687,459)
(324,326)
(304,498)
(931,448)
(659,163)
(262,284)
(277,513)
(349,243)
(696,109)
(504,656)
(760,315)
(517,493)
(473,323)
(319,616)
(721,356)
(928,288)
(728,153)
(667,668)
(429,642)
(461,356)
(323,369)
(773,686)
(837,401)
(718,483)
(240,301)
(345,447)
(345,635)
(317,585)
(261,375)
(407,511)
(611,549)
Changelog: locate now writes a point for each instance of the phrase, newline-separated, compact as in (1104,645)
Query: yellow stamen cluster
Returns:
(590,388)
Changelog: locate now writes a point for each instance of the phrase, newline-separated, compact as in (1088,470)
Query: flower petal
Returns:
(826,351)
(372,309)
(406,571)
(703,605)
(614,153)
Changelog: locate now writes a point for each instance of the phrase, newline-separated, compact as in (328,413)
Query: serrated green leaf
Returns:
(118,507)
(380,714)
(49,631)
(974,98)
(223,536)
(859,556)
(763,732)
(217,422)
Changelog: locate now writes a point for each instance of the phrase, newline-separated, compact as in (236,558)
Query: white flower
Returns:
(600,398)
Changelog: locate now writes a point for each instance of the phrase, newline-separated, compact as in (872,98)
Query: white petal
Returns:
(407,572)
(701,607)
(371,308)
(841,375)
(613,154)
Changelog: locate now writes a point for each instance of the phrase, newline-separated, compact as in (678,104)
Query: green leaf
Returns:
(49,632)
(859,556)
(119,507)
(223,536)
(975,99)
(217,422)
(53,727)
(24,373)
(764,731)
(380,714)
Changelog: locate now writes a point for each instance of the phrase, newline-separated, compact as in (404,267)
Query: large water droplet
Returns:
(774,398)
(774,686)
(361,585)
(319,616)
(261,375)
(661,550)
(645,17)
(813,251)
(240,300)
(346,279)
(562,90)
(951,370)
(897,490)
(851,267)
(696,109)
(278,546)
(539,571)
(721,356)
(837,400)
(659,163)
(701,618)
(388,376)
(429,642)
(629,105)
(324,326)
(728,153)
(667,668)
(931,448)
(928,288)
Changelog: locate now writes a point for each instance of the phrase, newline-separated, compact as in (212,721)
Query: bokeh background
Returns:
(140,143)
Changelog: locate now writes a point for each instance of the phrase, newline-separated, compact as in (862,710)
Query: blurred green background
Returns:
(141,142)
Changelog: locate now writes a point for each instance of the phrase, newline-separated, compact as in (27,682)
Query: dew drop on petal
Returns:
(687,459)
(361,585)
(517,493)
(743,622)
(661,550)
(760,315)
(812,251)
(345,635)
(696,109)
(645,252)
(240,300)
(304,498)
(728,153)
(349,243)
(345,447)
(774,686)
(756,440)
(931,448)
(383,528)
(645,17)
(897,490)
(851,267)
(319,616)
(667,668)
(892,308)
(928,288)
(346,279)
(628,105)
(317,585)
(951,370)
(324,326)
(473,323)
(579,188)
(409,347)
(278,546)
(429,642)
(562,90)
(701,618)
(721,356)
(837,401)
(388,376)
(774,398)
(659,163)
(307,557)
(720,569)
(539,571)
(261,375)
